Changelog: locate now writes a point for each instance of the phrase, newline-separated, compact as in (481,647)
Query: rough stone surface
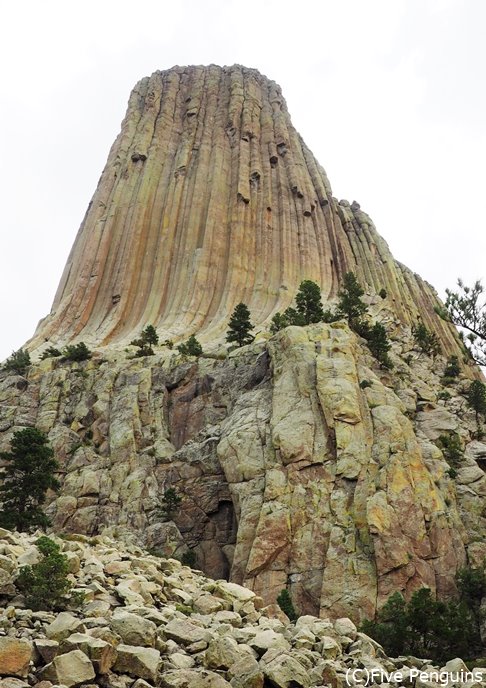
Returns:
(70,669)
(15,655)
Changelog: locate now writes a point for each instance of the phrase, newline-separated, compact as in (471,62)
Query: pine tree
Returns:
(76,352)
(191,347)
(169,503)
(18,362)
(285,603)
(466,309)
(150,336)
(46,584)
(426,340)
(350,305)
(379,345)
(476,397)
(240,326)
(308,302)
(28,475)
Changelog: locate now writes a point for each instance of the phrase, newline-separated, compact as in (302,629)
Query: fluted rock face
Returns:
(210,197)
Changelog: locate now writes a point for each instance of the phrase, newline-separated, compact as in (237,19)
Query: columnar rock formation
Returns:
(210,197)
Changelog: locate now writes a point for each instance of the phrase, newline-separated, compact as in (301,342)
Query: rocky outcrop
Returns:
(210,197)
(239,644)
(300,463)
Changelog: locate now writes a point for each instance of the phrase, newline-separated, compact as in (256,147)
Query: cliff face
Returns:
(210,197)
(292,471)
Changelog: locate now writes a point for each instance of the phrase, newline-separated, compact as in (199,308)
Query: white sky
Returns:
(388,94)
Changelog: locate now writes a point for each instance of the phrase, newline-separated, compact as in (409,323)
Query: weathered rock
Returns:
(101,653)
(140,662)
(133,629)
(283,671)
(47,649)
(63,625)
(70,669)
(185,632)
(195,678)
(15,656)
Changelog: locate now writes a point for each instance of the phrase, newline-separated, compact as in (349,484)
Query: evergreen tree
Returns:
(18,362)
(28,475)
(476,397)
(240,326)
(150,335)
(46,584)
(426,340)
(350,305)
(466,309)
(452,369)
(51,352)
(285,603)
(379,345)
(279,322)
(169,503)
(308,302)
(191,347)
(76,352)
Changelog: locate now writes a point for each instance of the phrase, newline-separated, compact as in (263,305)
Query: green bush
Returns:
(350,305)
(18,362)
(45,584)
(50,352)
(284,601)
(168,343)
(191,347)
(383,293)
(379,345)
(364,384)
(476,397)
(26,478)
(76,352)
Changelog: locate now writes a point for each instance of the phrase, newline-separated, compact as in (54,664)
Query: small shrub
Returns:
(45,584)
(184,609)
(76,352)
(191,347)
(383,293)
(50,352)
(168,343)
(379,345)
(284,601)
(364,384)
(444,395)
(18,362)
(452,473)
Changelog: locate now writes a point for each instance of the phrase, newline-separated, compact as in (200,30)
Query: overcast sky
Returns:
(388,94)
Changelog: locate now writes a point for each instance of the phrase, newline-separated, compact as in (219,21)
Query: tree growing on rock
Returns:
(76,352)
(350,304)
(169,504)
(26,478)
(476,397)
(285,603)
(240,327)
(308,302)
(191,347)
(427,341)
(379,344)
(18,362)
(148,338)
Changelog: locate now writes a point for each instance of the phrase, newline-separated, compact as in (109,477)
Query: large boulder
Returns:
(15,656)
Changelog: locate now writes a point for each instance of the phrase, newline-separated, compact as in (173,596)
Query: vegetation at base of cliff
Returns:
(308,309)
(26,478)
(189,558)
(18,362)
(466,309)
(76,352)
(427,341)
(191,347)
(425,627)
(285,603)
(46,584)
(240,327)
